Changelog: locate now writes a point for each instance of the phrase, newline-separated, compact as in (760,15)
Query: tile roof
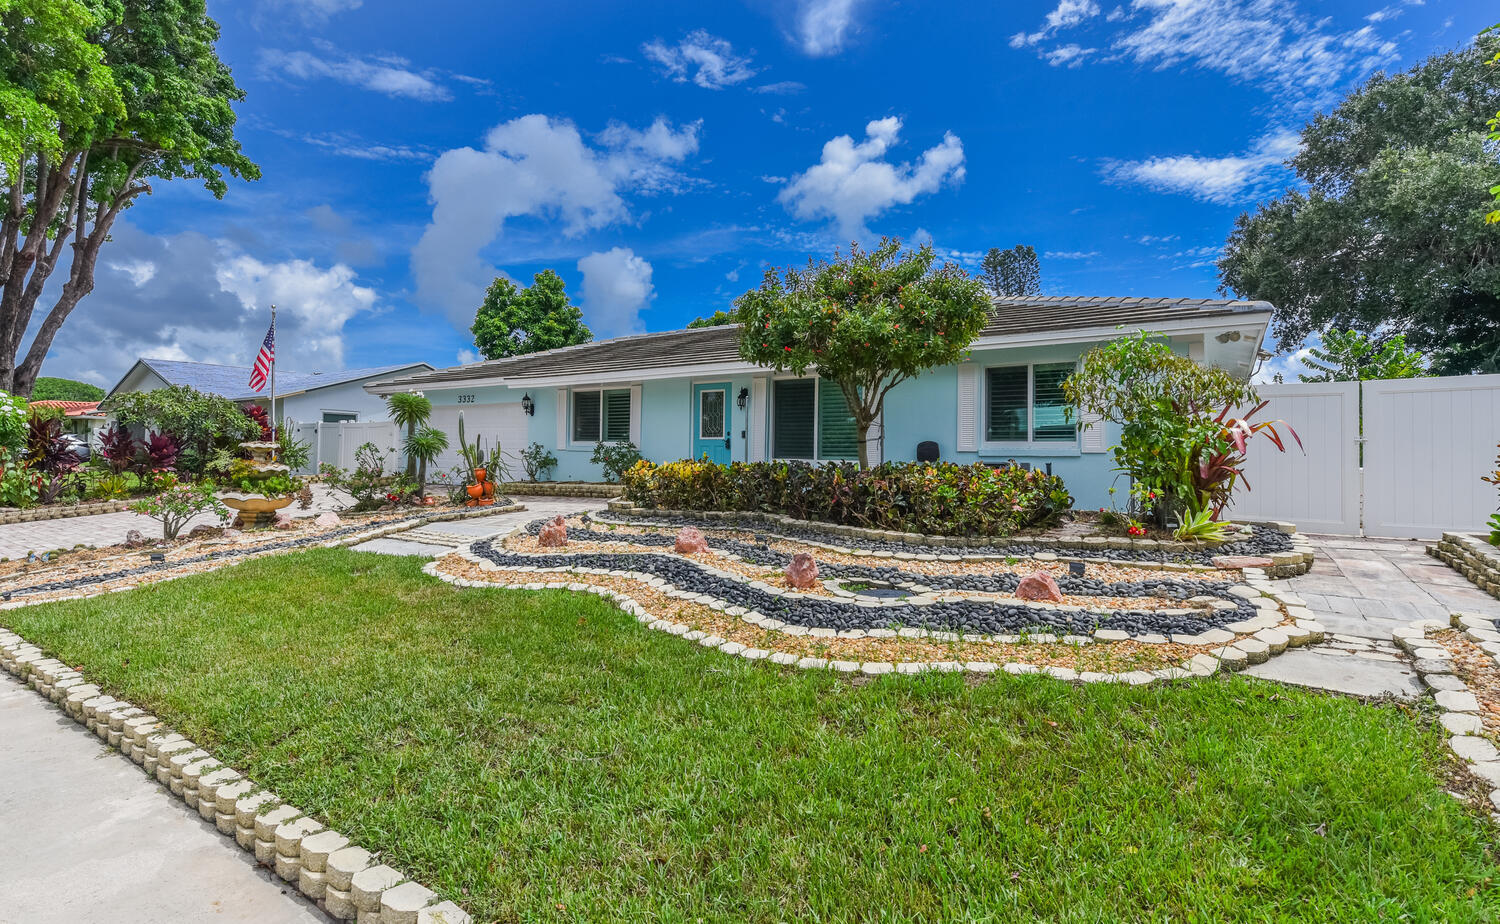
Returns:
(231,381)
(71,408)
(708,345)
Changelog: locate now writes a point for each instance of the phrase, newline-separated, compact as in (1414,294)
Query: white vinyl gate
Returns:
(1426,444)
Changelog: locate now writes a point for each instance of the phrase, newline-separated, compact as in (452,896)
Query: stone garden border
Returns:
(62,511)
(562,489)
(1459,703)
(344,880)
(1283,564)
(1256,640)
(1470,555)
(354,539)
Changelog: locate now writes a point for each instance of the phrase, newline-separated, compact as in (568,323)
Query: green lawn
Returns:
(540,757)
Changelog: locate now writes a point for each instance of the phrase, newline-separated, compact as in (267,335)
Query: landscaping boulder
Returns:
(554,534)
(1039,586)
(1236,562)
(690,541)
(205,531)
(326,519)
(802,573)
(134,540)
(284,520)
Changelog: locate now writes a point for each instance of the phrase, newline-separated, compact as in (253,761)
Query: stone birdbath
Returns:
(257,510)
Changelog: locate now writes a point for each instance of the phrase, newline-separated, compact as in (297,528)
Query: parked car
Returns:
(79,445)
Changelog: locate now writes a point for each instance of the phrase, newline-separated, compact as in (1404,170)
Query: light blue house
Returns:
(687,393)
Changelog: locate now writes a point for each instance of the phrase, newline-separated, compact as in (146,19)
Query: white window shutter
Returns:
(1093,432)
(562,418)
(757,424)
(968,408)
(875,437)
(635,415)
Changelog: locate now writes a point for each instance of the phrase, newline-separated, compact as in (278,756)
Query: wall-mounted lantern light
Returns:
(528,405)
(744,396)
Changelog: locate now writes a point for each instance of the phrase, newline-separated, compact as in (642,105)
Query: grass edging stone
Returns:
(341,879)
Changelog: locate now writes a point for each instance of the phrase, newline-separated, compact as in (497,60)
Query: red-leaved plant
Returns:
(263,420)
(119,448)
(1222,466)
(161,452)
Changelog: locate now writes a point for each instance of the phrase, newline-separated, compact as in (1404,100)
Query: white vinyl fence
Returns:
(1426,444)
(335,443)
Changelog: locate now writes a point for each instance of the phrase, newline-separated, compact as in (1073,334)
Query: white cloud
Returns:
(1221,180)
(465,357)
(1070,254)
(705,59)
(780,87)
(312,12)
(391,76)
(205,300)
(616,287)
(1265,42)
(537,166)
(1070,55)
(853,183)
(823,26)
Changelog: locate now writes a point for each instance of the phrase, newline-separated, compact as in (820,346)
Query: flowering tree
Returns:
(176,504)
(866,322)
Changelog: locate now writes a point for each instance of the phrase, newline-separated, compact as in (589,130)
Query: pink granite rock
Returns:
(134,539)
(1039,586)
(802,573)
(690,541)
(326,519)
(554,534)
(1236,562)
(284,520)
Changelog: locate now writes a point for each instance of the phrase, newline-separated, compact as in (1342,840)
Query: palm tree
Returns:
(422,447)
(411,410)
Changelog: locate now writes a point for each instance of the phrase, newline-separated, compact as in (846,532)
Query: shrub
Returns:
(200,422)
(177,504)
(942,498)
(1494,523)
(370,483)
(118,447)
(538,462)
(13,426)
(261,418)
(617,458)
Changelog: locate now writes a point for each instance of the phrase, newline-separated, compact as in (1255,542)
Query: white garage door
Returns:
(504,423)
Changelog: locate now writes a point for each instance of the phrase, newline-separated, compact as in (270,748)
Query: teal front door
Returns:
(711,422)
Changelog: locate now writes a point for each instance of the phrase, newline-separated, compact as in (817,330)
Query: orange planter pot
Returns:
(475,491)
(479,475)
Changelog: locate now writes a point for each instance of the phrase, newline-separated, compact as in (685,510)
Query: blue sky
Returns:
(661,156)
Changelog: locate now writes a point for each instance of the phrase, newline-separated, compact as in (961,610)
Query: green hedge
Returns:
(942,499)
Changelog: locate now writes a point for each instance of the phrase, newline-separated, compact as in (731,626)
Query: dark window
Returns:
(837,435)
(616,416)
(1025,404)
(1006,404)
(792,418)
(585,417)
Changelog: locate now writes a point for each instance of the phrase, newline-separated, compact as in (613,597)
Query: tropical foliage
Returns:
(538,462)
(1180,442)
(1354,356)
(200,422)
(1494,523)
(615,459)
(100,100)
(944,499)
(513,321)
(865,322)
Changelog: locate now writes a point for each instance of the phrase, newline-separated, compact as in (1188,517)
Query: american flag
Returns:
(263,361)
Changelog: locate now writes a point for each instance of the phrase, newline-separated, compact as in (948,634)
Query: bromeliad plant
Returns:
(1179,443)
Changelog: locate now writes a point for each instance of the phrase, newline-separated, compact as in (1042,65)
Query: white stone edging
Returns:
(1460,705)
(342,879)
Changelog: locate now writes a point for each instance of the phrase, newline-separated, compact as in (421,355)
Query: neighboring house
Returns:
(82,418)
(687,393)
(304,397)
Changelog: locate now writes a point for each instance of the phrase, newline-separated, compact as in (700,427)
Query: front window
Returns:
(808,414)
(1025,404)
(601,416)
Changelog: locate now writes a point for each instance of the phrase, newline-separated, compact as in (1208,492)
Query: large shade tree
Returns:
(1388,235)
(109,95)
(866,322)
(513,321)
(1012,272)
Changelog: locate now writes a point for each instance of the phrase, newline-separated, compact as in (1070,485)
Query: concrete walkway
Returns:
(441,538)
(89,838)
(1360,590)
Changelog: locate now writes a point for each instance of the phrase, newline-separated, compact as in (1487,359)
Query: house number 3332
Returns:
(465,399)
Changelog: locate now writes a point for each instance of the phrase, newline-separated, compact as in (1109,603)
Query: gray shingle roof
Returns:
(233,381)
(702,345)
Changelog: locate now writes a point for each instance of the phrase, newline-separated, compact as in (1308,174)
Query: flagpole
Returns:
(273,373)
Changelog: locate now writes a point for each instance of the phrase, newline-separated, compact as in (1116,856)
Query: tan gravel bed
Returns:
(528,545)
(1104,657)
(1479,672)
